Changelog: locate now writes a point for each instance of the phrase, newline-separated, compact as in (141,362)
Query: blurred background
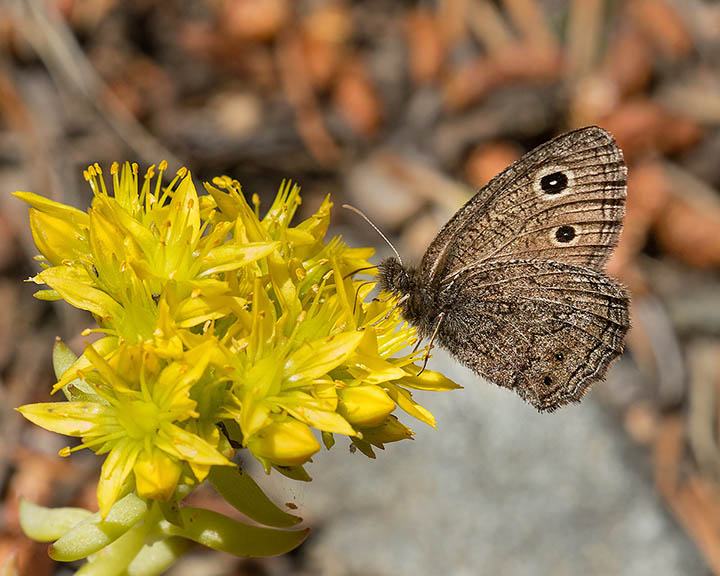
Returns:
(403,109)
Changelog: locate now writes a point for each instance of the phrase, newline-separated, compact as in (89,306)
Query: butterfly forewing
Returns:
(563,201)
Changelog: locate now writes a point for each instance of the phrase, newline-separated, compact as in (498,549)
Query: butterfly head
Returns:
(416,299)
(394,277)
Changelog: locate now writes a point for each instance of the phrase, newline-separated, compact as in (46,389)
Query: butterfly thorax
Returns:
(417,299)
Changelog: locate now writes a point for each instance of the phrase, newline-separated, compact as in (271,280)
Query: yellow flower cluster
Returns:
(220,330)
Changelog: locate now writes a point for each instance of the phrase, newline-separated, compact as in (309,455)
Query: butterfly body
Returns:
(514,285)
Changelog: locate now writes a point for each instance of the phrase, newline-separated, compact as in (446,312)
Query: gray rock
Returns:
(498,489)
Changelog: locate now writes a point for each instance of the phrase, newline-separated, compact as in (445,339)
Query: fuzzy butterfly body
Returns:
(514,284)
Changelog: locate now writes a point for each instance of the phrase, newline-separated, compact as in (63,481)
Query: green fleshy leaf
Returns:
(93,534)
(294,472)
(239,489)
(48,524)
(328,440)
(219,532)
(153,559)
(63,358)
(77,390)
(324,420)
(171,511)
(114,559)
(364,447)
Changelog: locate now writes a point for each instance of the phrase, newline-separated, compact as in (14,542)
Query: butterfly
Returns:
(514,285)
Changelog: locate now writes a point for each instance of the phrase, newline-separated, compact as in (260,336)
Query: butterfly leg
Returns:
(358,293)
(391,310)
(384,299)
(430,345)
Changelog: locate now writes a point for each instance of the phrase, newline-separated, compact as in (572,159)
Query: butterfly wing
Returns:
(545,329)
(562,201)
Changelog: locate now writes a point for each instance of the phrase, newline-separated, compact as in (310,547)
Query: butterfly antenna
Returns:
(358,270)
(360,213)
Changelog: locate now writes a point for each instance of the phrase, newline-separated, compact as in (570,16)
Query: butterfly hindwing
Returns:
(545,329)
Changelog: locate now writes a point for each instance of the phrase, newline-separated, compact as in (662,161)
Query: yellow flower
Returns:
(137,419)
(222,329)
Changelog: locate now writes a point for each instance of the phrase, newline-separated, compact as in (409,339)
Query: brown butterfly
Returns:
(514,285)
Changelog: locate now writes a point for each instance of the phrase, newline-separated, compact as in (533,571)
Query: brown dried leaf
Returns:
(488,160)
(649,191)
(663,26)
(356,98)
(520,63)
(628,61)
(325,32)
(688,230)
(641,126)
(299,92)
(426,49)
(257,20)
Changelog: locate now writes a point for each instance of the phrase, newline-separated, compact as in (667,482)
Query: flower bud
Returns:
(365,406)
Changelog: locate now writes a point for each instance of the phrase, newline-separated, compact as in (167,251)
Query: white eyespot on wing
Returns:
(565,235)
(552,182)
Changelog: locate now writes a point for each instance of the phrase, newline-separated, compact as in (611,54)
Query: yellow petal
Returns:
(321,419)
(115,470)
(428,380)
(227,202)
(156,475)
(104,347)
(254,416)
(56,238)
(234,256)
(69,418)
(75,287)
(284,286)
(63,211)
(184,212)
(300,237)
(404,400)
(186,446)
(374,369)
(314,359)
